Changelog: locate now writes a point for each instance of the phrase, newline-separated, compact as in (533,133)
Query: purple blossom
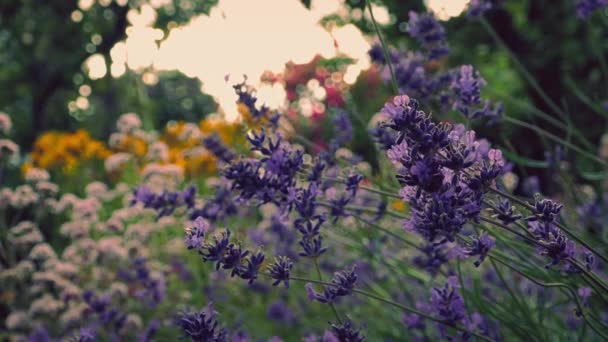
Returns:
(201,326)
(259,115)
(343,130)
(214,144)
(280,270)
(280,312)
(545,210)
(148,333)
(447,304)
(346,332)
(585,8)
(433,256)
(166,202)
(216,250)
(413,321)
(477,8)
(221,206)
(343,285)
(429,33)
(585,293)
(100,306)
(195,236)
(480,246)
(553,243)
(150,289)
(467,91)
(270,178)
(505,212)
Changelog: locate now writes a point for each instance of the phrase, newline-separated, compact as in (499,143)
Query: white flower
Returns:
(5,123)
(127,123)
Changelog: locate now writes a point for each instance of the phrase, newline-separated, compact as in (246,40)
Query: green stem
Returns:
(387,55)
(559,225)
(525,73)
(544,116)
(367,188)
(555,139)
(365,209)
(384,230)
(507,228)
(333,307)
(584,99)
(557,285)
(520,304)
(395,304)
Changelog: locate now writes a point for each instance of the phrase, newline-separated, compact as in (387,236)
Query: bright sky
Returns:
(243,38)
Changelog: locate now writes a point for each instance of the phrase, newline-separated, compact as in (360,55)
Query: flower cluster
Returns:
(225,254)
(66,151)
(201,326)
(458,88)
(166,202)
(253,114)
(429,33)
(585,8)
(189,149)
(343,284)
(445,171)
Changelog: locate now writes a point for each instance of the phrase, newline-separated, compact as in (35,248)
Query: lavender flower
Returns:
(166,202)
(447,304)
(343,130)
(270,178)
(467,90)
(148,333)
(346,332)
(280,270)
(505,212)
(477,8)
(545,210)
(344,283)
(434,255)
(259,115)
(481,246)
(214,144)
(195,236)
(85,335)
(216,250)
(201,326)
(552,242)
(151,288)
(110,317)
(585,8)
(280,312)
(221,206)
(252,266)
(429,33)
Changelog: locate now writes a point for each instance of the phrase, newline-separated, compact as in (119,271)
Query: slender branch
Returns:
(559,225)
(544,116)
(386,231)
(525,73)
(555,139)
(392,303)
(367,188)
(333,307)
(569,289)
(387,55)
(507,228)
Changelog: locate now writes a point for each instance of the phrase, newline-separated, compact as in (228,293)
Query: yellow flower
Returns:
(398,205)
(65,151)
